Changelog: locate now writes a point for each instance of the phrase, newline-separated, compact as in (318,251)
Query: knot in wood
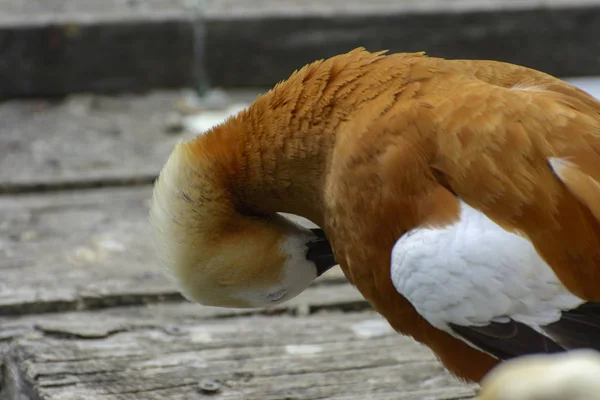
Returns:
(209,386)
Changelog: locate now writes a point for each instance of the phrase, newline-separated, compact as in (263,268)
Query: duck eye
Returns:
(275,296)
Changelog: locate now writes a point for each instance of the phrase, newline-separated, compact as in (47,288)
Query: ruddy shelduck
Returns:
(461,198)
(569,375)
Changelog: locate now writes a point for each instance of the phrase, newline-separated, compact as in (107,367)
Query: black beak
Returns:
(320,252)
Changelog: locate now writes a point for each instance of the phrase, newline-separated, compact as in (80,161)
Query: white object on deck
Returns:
(205,120)
(590,84)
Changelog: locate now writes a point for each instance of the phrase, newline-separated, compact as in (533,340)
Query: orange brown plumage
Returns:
(371,146)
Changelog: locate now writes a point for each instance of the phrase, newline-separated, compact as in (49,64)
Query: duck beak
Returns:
(320,252)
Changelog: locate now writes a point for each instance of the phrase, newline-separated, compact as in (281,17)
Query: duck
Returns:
(571,375)
(460,197)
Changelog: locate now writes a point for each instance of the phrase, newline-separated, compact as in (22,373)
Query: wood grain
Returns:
(92,140)
(164,352)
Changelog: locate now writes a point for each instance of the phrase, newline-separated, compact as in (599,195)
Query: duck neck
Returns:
(275,155)
(273,161)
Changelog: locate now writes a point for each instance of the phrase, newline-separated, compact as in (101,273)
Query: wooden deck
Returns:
(85,312)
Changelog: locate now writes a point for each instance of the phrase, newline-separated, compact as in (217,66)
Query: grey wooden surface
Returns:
(92,140)
(87,313)
(168,352)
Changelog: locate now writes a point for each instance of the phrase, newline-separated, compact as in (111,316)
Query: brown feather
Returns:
(370,146)
(582,176)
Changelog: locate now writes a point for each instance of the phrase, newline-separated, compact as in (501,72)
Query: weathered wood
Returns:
(81,250)
(163,353)
(555,36)
(63,46)
(54,48)
(92,141)
(342,298)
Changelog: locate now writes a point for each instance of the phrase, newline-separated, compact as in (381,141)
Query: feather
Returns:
(506,340)
(577,328)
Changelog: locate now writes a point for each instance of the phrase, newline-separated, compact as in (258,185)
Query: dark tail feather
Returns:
(508,339)
(577,328)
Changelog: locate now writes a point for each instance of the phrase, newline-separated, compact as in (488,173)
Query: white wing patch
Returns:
(474,272)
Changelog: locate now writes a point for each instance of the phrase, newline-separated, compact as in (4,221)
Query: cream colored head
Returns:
(217,255)
(573,375)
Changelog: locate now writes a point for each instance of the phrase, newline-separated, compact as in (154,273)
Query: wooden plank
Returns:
(342,298)
(556,36)
(82,250)
(53,48)
(87,141)
(328,355)
(62,46)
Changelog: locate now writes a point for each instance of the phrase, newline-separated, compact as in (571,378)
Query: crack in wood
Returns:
(88,303)
(68,335)
(153,389)
(119,300)
(8,188)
